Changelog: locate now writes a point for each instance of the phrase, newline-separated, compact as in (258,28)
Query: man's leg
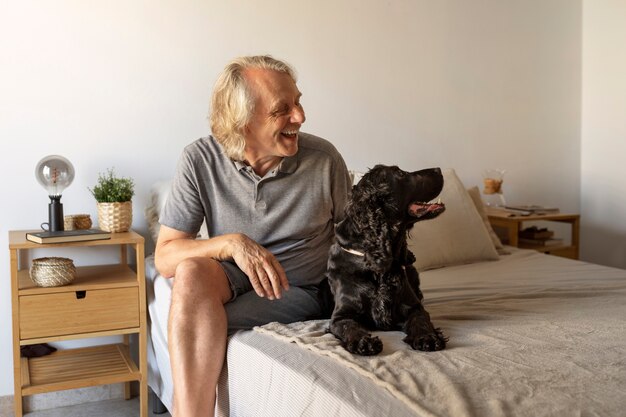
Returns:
(197,329)
(249,310)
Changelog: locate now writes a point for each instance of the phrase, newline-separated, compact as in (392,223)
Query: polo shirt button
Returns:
(261,204)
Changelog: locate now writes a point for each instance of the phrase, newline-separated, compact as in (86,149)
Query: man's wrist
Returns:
(230,245)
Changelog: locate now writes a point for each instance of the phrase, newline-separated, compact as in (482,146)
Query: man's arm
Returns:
(266,274)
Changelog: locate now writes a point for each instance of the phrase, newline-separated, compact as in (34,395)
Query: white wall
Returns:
(469,85)
(603,165)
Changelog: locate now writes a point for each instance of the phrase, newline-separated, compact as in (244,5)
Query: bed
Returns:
(530,335)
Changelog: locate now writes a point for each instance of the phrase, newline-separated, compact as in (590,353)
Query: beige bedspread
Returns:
(531,335)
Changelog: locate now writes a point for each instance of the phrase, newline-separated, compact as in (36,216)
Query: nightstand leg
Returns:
(17,397)
(18,405)
(123,255)
(576,237)
(143,336)
(514,229)
(127,392)
(17,360)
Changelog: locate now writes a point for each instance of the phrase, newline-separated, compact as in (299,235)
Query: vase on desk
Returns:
(493,196)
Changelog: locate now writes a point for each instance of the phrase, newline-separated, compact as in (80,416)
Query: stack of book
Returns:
(527,210)
(534,236)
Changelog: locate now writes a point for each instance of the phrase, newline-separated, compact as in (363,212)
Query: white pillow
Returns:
(457,236)
(158,196)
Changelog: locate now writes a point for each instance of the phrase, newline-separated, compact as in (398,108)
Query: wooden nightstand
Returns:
(512,223)
(103,300)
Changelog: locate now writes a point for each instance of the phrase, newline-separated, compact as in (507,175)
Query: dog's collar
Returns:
(352,251)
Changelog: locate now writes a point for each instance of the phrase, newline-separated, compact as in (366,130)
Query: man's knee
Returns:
(201,278)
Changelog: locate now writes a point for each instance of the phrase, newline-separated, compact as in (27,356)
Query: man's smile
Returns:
(290,134)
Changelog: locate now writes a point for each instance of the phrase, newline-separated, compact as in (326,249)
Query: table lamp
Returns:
(55,173)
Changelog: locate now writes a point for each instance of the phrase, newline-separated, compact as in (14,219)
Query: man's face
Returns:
(278,115)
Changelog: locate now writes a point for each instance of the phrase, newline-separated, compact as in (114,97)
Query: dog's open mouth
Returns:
(419,209)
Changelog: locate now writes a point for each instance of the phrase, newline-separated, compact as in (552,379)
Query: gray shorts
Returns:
(246,309)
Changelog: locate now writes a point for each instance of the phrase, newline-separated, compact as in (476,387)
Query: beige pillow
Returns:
(457,236)
(158,195)
(474,193)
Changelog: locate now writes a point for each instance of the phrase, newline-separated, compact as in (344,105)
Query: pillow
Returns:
(457,236)
(158,196)
(474,194)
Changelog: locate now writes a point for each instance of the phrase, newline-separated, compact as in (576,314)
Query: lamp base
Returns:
(55,214)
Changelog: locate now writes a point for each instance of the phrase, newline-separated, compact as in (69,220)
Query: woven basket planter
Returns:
(52,272)
(115,217)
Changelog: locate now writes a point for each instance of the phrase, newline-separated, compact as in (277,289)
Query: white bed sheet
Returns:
(530,335)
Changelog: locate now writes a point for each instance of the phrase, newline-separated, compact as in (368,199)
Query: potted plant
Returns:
(114,195)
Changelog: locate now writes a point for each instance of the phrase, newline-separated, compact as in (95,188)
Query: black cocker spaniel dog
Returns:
(370,281)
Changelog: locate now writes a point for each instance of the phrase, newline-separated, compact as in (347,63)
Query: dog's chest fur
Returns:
(384,305)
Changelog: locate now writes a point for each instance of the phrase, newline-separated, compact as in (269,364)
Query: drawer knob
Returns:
(81,294)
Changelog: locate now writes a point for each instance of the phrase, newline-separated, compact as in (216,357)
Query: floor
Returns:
(110,408)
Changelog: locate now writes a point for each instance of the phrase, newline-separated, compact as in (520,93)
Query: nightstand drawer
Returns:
(74,312)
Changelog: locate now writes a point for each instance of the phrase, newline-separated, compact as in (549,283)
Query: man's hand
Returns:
(266,274)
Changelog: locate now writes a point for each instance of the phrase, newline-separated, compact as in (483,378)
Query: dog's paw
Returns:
(428,342)
(367,345)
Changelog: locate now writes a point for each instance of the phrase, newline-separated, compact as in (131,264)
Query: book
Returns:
(528,209)
(534,232)
(540,242)
(68,236)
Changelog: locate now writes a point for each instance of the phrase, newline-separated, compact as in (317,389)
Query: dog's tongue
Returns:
(420,209)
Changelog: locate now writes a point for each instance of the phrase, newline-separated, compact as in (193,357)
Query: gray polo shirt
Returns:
(291,211)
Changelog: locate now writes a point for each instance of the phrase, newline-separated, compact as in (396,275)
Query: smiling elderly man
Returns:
(270,196)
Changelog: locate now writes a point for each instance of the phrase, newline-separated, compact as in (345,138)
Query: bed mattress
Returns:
(530,335)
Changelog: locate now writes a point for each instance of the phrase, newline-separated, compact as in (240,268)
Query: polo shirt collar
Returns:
(288,165)
(240,165)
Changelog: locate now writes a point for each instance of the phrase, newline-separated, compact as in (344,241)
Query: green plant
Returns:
(113,189)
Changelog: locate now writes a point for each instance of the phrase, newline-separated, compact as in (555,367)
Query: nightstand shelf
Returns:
(103,300)
(78,368)
(94,277)
(512,225)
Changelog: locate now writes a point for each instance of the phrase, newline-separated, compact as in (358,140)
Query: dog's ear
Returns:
(367,211)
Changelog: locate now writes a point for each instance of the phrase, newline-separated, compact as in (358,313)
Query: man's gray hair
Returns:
(232,103)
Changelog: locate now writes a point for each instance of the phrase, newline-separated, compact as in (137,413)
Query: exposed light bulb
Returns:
(55,173)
